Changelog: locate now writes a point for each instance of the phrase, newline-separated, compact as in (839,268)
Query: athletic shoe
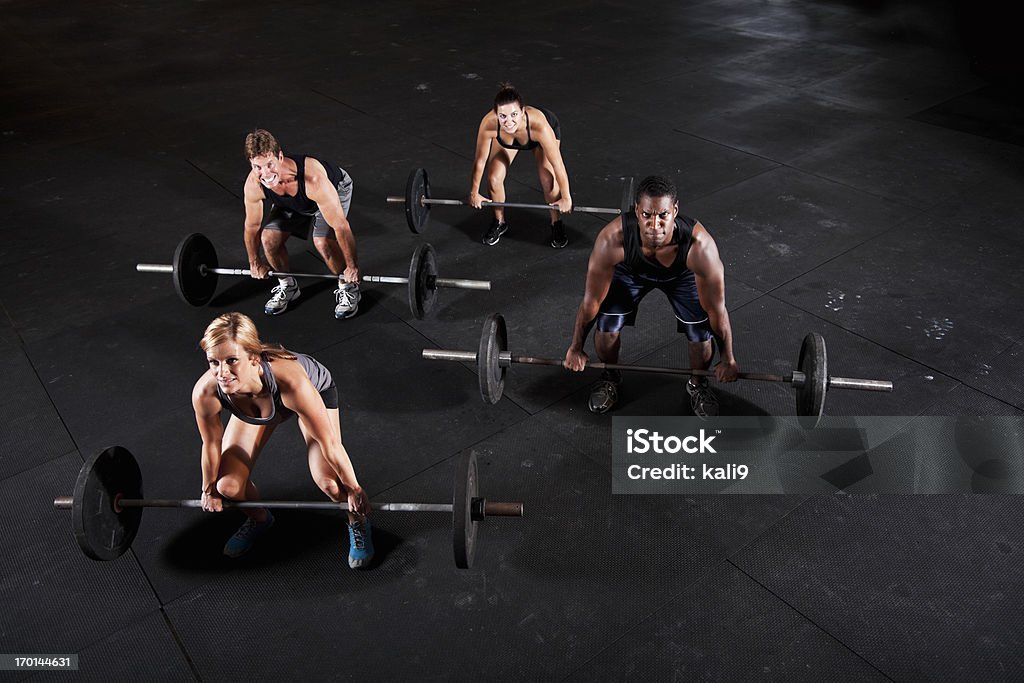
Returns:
(360,544)
(495,232)
(558,237)
(281,296)
(246,536)
(702,400)
(348,296)
(605,393)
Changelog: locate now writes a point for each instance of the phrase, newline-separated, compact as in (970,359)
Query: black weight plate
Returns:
(493,340)
(422,281)
(103,532)
(464,527)
(417,214)
(813,362)
(628,195)
(192,286)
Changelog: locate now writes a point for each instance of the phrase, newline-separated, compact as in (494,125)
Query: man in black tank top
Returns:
(305,193)
(655,247)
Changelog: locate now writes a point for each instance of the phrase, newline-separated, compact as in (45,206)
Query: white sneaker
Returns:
(280,297)
(348,296)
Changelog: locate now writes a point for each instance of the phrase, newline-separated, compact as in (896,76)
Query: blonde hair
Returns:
(238,327)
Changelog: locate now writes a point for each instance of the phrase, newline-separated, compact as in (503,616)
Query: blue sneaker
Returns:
(246,536)
(360,542)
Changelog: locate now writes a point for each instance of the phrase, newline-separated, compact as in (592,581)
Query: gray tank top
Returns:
(319,375)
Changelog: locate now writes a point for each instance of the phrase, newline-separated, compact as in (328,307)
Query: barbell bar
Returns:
(418,201)
(107,506)
(195,270)
(810,379)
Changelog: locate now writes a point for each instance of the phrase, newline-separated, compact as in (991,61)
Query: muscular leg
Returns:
(241,445)
(273,247)
(607,345)
(546,174)
(701,354)
(324,474)
(331,252)
(497,169)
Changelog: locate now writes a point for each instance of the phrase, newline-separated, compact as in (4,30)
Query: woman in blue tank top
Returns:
(260,386)
(506,130)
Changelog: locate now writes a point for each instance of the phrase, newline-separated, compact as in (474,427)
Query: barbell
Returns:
(195,270)
(810,379)
(418,201)
(107,505)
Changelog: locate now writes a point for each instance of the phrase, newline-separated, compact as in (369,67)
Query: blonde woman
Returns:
(262,385)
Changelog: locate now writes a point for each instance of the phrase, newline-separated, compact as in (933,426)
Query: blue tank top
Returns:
(319,375)
(300,203)
(651,268)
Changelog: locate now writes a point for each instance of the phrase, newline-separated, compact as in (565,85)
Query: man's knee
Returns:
(272,240)
(330,487)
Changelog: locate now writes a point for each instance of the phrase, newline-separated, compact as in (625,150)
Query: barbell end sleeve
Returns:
(455,283)
(499,509)
(63,502)
(860,384)
(391,199)
(153,268)
(446,354)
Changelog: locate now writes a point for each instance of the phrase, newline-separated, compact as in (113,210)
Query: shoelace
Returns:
(357,536)
(345,296)
(279,292)
(248,529)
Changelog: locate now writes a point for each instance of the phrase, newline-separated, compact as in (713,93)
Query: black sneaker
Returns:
(495,232)
(702,400)
(558,237)
(605,393)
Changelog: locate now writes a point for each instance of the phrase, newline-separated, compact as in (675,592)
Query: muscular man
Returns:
(506,130)
(304,192)
(655,247)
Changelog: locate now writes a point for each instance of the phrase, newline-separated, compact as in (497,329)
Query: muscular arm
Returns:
(707,266)
(484,135)
(253,197)
(552,152)
(607,253)
(320,189)
(207,410)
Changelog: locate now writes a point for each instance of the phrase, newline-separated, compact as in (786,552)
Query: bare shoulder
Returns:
(315,173)
(609,245)
(489,123)
(253,189)
(204,393)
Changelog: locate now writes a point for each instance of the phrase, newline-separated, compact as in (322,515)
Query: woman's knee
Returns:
(330,487)
(231,487)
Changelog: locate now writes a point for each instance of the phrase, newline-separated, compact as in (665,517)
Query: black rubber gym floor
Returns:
(858,163)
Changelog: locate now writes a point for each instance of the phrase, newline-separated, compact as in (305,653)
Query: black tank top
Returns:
(319,375)
(530,142)
(640,264)
(300,203)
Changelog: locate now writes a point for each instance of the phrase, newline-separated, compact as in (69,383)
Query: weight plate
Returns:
(628,195)
(464,527)
(102,531)
(422,281)
(813,362)
(192,286)
(417,214)
(493,340)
